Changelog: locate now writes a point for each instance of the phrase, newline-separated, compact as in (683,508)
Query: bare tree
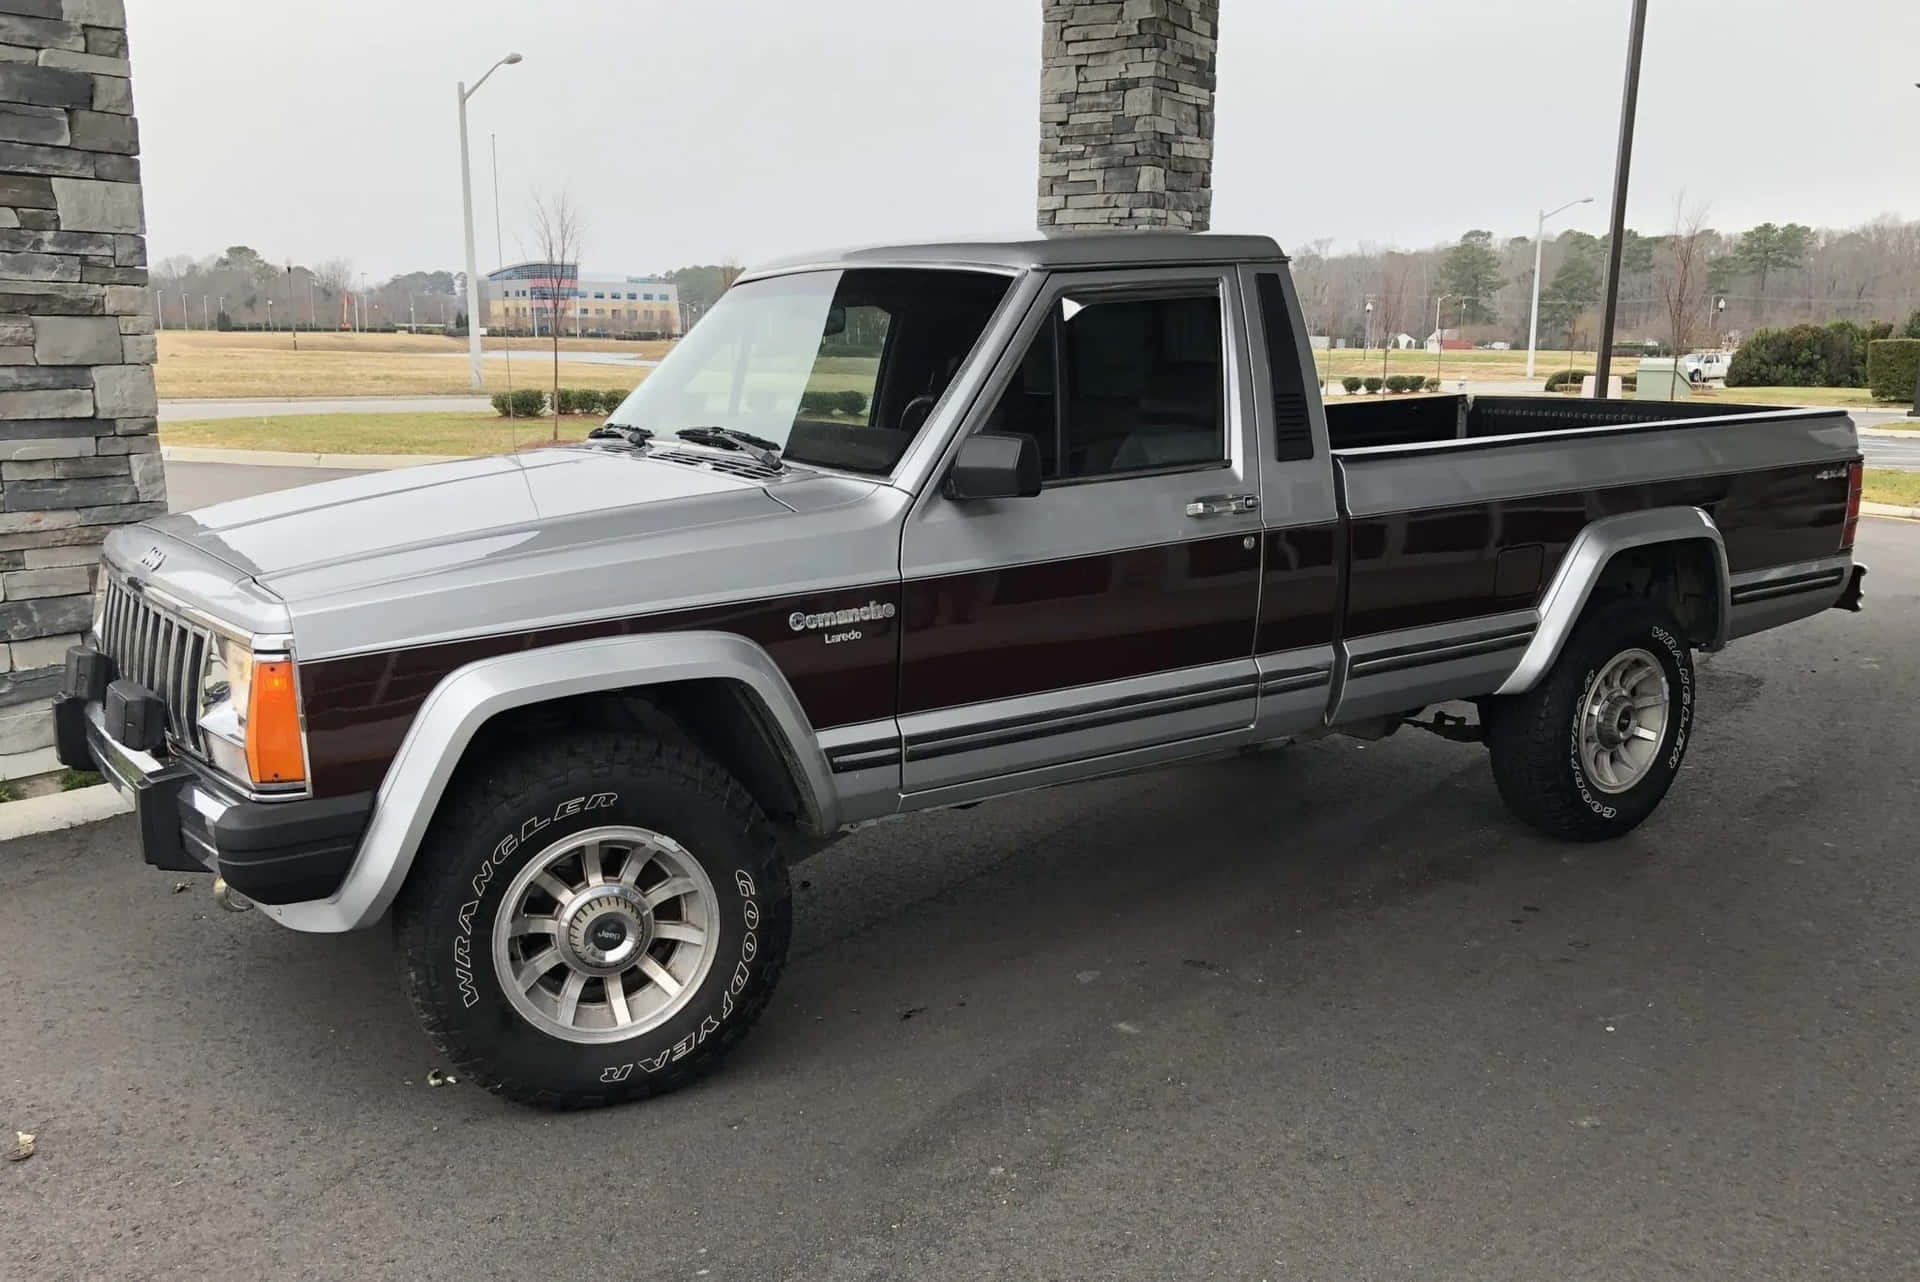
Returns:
(557,232)
(335,278)
(1680,278)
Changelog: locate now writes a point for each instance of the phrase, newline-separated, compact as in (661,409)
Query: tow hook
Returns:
(229,898)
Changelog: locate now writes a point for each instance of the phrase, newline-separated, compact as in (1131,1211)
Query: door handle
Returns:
(1223,505)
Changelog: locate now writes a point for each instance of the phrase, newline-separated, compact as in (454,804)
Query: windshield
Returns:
(839,368)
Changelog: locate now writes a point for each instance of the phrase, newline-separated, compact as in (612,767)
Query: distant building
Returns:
(526,296)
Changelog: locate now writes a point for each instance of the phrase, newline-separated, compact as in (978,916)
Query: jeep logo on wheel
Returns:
(801,621)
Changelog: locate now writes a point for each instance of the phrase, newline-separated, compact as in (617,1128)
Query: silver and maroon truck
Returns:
(895,529)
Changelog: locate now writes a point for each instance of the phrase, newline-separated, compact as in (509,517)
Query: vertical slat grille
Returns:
(164,653)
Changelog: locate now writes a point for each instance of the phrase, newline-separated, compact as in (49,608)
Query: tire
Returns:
(1544,747)
(701,845)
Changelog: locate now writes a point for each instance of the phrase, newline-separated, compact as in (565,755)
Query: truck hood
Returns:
(472,546)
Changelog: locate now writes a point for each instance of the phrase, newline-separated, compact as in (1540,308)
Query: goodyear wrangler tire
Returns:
(1590,751)
(592,919)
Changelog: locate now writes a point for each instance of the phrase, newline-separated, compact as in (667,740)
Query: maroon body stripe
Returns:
(997,634)
(1413,569)
(358,708)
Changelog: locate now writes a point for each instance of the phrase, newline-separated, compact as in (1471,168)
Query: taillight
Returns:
(1856,480)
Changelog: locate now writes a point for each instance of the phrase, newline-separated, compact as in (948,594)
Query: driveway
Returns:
(1320,1013)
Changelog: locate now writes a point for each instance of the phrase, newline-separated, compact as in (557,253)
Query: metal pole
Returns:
(1623,163)
(1439,339)
(1533,322)
(473,271)
(499,252)
(293,311)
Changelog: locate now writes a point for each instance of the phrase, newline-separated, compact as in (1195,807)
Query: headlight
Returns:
(250,711)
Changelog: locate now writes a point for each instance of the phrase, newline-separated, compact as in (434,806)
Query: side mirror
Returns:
(995,465)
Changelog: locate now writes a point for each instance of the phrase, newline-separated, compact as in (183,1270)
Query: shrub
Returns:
(1372,384)
(610,400)
(1352,383)
(1832,355)
(1913,327)
(818,402)
(1562,379)
(521,402)
(1433,385)
(852,402)
(1402,382)
(1893,367)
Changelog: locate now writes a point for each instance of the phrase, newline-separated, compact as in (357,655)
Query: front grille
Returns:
(162,652)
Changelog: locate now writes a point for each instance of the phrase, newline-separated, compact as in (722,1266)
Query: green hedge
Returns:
(833,402)
(1893,366)
(1832,355)
(1561,379)
(531,402)
(1352,383)
(1433,385)
(521,402)
(1372,384)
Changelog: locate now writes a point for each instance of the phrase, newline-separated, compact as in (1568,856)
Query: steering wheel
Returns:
(922,405)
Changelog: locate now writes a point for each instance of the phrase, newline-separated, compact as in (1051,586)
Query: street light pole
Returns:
(466,202)
(1539,240)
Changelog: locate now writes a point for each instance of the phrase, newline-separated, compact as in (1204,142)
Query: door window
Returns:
(1125,385)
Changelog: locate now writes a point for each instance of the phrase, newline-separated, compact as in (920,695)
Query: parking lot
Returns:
(1325,1012)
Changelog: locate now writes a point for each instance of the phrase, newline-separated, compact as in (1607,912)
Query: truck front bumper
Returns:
(279,852)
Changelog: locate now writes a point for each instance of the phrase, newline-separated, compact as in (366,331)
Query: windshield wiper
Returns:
(634,436)
(764,452)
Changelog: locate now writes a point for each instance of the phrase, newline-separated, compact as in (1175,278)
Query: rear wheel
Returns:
(1589,752)
(593,918)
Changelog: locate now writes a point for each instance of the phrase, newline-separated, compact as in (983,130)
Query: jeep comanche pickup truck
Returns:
(896,529)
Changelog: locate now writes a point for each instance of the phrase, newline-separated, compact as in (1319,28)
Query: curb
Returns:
(59,810)
(283,458)
(1891,509)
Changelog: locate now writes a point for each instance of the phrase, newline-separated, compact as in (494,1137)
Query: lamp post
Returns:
(1367,341)
(1539,234)
(466,201)
(1720,324)
(1439,339)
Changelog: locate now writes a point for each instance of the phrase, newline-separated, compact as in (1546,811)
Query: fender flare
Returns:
(469,696)
(1586,559)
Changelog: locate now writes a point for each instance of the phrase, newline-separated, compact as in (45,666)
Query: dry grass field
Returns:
(460,434)
(198,364)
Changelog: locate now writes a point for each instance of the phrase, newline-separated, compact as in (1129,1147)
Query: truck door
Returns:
(1305,546)
(1109,620)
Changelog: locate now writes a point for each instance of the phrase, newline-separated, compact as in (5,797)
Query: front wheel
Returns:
(1589,752)
(592,919)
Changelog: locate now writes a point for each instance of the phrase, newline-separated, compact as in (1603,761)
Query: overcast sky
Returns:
(691,132)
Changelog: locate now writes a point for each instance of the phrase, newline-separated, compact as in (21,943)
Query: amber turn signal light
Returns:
(274,751)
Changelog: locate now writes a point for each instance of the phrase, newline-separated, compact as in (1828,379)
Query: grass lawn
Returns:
(461,434)
(1857,398)
(196,363)
(1888,485)
(1474,365)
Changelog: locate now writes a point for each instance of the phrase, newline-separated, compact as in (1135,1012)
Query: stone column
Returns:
(78,449)
(1126,114)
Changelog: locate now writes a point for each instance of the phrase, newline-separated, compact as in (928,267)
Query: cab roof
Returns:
(1063,251)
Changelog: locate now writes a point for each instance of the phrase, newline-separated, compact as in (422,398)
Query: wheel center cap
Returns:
(1615,722)
(605,929)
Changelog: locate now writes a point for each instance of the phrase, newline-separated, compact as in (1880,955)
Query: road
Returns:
(1321,1013)
(1883,449)
(192,485)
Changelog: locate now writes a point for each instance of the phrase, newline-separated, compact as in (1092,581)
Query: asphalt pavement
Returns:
(1326,1012)
(192,485)
(1884,449)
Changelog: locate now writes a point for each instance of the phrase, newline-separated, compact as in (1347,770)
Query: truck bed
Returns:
(1458,511)
(1410,420)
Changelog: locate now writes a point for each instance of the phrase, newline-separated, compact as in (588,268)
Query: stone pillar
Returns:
(1126,114)
(78,449)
